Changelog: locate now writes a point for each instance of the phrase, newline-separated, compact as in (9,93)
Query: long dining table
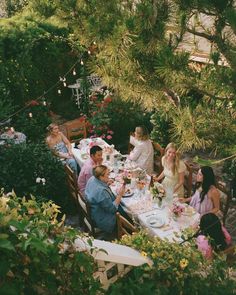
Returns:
(138,201)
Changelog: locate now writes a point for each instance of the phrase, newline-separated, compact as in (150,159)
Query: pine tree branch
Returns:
(211,38)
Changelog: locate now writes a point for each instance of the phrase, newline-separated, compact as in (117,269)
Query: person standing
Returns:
(143,153)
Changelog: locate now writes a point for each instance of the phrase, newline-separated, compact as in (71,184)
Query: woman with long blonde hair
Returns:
(61,146)
(173,171)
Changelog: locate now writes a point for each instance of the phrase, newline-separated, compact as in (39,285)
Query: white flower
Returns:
(38,180)
(43,180)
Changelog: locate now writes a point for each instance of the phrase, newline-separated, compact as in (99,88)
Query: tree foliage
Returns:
(139,53)
(33,54)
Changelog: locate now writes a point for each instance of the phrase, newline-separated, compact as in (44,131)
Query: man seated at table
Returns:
(87,169)
(104,204)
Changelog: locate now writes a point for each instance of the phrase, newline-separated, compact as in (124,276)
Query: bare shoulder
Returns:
(214,192)
(48,139)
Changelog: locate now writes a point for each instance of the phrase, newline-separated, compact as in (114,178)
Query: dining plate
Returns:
(155,221)
(128,193)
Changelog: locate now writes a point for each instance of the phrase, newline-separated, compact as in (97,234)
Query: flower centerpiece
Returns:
(177,210)
(158,193)
(127,177)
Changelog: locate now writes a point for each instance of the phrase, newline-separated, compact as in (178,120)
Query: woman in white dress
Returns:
(143,153)
(173,171)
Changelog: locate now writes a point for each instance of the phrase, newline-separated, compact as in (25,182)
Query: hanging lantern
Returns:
(64,84)
(81,62)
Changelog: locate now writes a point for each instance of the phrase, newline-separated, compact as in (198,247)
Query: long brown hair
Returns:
(144,134)
(175,166)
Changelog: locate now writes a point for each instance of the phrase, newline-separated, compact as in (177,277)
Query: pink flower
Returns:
(33,103)
(109,137)
(110,132)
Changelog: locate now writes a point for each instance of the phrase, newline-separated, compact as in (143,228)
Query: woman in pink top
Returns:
(207,197)
(213,236)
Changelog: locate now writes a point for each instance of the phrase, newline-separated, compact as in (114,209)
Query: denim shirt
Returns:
(102,202)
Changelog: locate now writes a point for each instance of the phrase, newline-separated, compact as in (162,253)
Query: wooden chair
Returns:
(158,154)
(225,199)
(74,191)
(230,253)
(72,184)
(188,180)
(86,218)
(75,130)
(124,226)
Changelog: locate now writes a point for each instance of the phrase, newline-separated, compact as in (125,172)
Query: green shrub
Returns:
(37,252)
(22,164)
(33,54)
(113,119)
(33,127)
(124,117)
(177,269)
(230,169)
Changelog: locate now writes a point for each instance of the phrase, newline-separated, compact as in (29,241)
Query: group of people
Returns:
(94,181)
(10,136)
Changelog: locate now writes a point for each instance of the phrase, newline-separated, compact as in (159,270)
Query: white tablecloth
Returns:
(142,208)
(140,205)
(81,154)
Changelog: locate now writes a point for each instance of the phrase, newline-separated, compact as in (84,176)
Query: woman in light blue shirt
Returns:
(104,204)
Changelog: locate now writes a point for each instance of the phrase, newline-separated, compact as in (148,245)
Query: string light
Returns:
(64,84)
(39,98)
